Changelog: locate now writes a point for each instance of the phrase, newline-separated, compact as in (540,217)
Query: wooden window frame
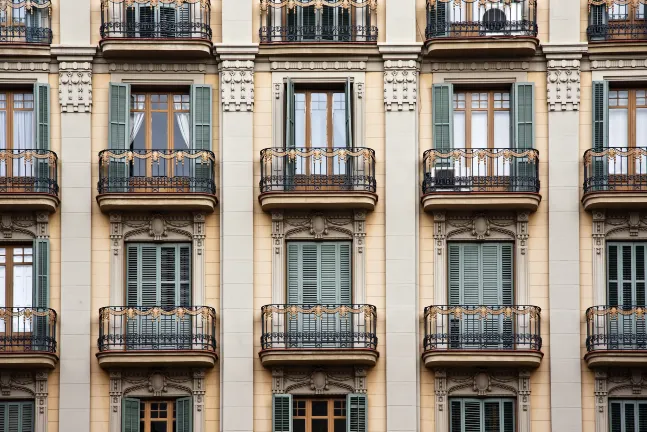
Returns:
(490,112)
(632,15)
(631,107)
(308,417)
(9,265)
(9,109)
(145,416)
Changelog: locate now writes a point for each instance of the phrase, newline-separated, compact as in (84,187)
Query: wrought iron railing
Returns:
(157,328)
(150,171)
(303,169)
(318,21)
(617,20)
(294,326)
(616,327)
(498,328)
(28,171)
(617,169)
(26,21)
(481,18)
(24,330)
(481,170)
(156,19)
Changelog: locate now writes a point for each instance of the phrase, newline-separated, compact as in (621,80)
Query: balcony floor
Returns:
(156,201)
(26,360)
(320,356)
(617,358)
(319,200)
(481,201)
(506,46)
(614,199)
(185,358)
(470,358)
(134,48)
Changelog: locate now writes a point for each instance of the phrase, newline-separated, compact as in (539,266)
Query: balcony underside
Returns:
(316,49)
(618,46)
(481,201)
(467,358)
(148,48)
(614,199)
(27,360)
(23,49)
(318,200)
(617,358)
(28,202)
(198,359)
(503,46)
(156,201)
(319,356)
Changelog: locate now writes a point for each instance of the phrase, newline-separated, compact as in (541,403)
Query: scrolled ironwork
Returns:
(28,330)
(29,5)
(157,328)
(320,326)
(153,3)
(480,327)
(616,327)
(617,169)
(304,169)
(318,4)
(28,171)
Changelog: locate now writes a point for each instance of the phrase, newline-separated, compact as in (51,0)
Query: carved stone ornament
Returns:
(27,385)
(156,227)
(75,86)
(24,66)
(318,66)
(563,85)
(157,67)
(400,85)
(480,66)
(479,226)
(316,226)
(14,226)
(619,64)
(237,85)
(319,381)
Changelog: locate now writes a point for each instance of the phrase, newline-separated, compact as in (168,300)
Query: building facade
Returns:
(323,215)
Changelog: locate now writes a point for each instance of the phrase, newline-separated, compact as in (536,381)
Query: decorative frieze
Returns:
(400,85)
(563,84)
(237,85)
(318,66)
(480,66)
(319,381)
(619,64)
(24,66)
(157,67)
(75,86)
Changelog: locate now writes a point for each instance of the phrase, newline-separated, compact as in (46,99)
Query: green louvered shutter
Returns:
(307,18)
(133,300)
(290,134)
(523,172)
(642,415)
(615,416)
(455,267)
(130,415)
(472,419)
(294,283)
(598,166)
(3,416)
(42,133)
(201,114)
(455,416)
(282,413)
(443,116)
(26,417)
(184,415)
(17,416)
(41,293)
(118,136)
(310,290)
(508,416)
(350,170)
(357,413)
(335,289)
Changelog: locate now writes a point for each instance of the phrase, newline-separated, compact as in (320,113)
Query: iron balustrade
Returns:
(617,169)
(26,22)
(303,169)
(157,328)
(321,326)
(474,19)
(27,329)
(499,328)
(28,171)
(481,170)
(616,21)
(152,171)
(616,327)
(161,19)
(339,33)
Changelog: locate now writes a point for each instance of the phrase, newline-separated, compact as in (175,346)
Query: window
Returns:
(482,119)
(627,416)
(16,287)
(347,414)
(628,127)
(469,19)
(165,21)
(17,416)
(157,415)
(327,23)
(482,415)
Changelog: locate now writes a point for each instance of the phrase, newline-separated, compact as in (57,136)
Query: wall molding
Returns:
(319,381)
(75,86)
(237,85)
(401,85)
(563,84)
(480,66)
(317,65)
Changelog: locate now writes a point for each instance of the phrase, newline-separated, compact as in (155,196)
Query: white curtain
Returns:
(502,140)
(184,124)
(3,140)
(136,122)
(22,295)
(618,131)
(23,138)
(641,139)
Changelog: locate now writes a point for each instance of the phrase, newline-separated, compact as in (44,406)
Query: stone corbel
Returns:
(521,252)
(442,410)
(41,394)
(440,258)
(563,84)
(237,85)
(116,394)
(400,85)
(599,258)
(359,257)
(116,259)
(523,401)
(278,381)
(278,258)
(198,400)
(360,379)
(42,225)
(601,402)
(75,86)
(199,237)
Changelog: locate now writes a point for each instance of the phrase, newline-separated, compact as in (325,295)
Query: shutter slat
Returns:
(201,105)
(442,113)
(26,417)
(524,115)
(132,272)
(130,415)
(41,106)
(282,413)
(184,415)
(615,416)
(456,416)
(356,417)
(473,417)
(13,417)
(454,274)
(293,273)
(119,115)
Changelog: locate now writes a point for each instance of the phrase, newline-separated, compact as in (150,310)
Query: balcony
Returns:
(28,338)
(157,336)
(465,336)
(298,334)
(28,180)
(481,179)
(26,27)
(153,28)
(180,180)
(613,22)
(318,178)
(616,336)
(480,29)
(615,177)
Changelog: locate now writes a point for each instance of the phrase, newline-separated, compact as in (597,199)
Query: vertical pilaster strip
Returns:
(523,401)
(199,297)
(442,408)
(117,259)
(40,424)
(402,195)
(237,225)
(199,391)
(521,260)
(440,258)
(278,258)
(114,421)
(359,258)
(564,239)
(75,97)
(599,259)
(601,402)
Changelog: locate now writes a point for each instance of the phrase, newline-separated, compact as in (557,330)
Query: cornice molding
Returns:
(492,66)
(318,65)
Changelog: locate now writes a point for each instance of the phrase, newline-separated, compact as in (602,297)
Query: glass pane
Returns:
(300,129)
(319,425)
(23,138)
(339,129)
(22,294)
(138,138)
(3,295)
(479,141)
(318,119)
(641,138)
(160,141)
(158,426)
(319,408)
(502,140)
(618,132)
(299,425)
(340,425)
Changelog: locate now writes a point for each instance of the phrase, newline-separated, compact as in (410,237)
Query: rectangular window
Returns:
(17,416)
(482,415)
(319,415)
(16,131)
(482,119)
(627,416)
(16,285)
(627,129)
(156,415)
(165,21)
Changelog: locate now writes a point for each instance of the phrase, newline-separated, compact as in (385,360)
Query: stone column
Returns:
(402,196)
(563,54)
(75,56)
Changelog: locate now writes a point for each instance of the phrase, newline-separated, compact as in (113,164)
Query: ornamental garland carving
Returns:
(462,155)
(237,85)
(563,85)
(477,382)
(318,225)
(318,4)
(153,3)
(318,154)
(156,156)
(319,381)
(618,226)
(609,3)
(481,226)
(29,5)
(24,226)
(75,86)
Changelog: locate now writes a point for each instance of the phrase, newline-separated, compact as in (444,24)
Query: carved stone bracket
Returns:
(237,85)
(27,385)
(75,86)
(400,85)
(319,381)
(563,84)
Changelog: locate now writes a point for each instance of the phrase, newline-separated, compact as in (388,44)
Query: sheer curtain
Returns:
(23,139)
(3,140)
(136,122)
(184,125)
(618,131)
(641,139)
